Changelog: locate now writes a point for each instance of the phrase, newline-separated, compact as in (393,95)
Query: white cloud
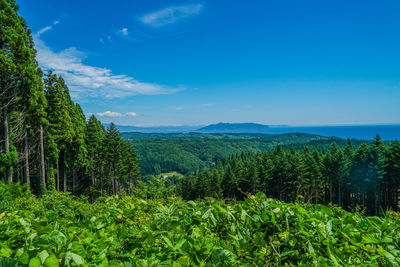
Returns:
(170,15)
(124,31)
(130,114)
(45,29)
(110,114)
(90,81)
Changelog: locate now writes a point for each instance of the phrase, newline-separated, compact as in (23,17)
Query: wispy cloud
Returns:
(190,107)
(170,15)
(90,81)
(113,114)
(47,28)
(124,31)
(131,114)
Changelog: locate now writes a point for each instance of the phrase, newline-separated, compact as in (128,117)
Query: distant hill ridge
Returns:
(155,129)
(235,128)
(212,128)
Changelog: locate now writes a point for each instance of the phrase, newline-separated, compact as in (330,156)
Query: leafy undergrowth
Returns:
(59,229)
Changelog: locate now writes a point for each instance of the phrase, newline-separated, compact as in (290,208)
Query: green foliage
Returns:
(368,177)
(156,187)
(59,229)
(189,152)
(11,191)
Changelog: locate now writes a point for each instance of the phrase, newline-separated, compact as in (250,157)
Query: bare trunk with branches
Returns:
(26,154)
(42,167)
(65,173)
(7,142)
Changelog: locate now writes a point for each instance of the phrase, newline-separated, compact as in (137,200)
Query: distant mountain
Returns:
(155,129)
(235,128)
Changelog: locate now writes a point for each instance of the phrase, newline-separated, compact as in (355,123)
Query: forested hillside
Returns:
(368,177)
(189,152)
(46,141)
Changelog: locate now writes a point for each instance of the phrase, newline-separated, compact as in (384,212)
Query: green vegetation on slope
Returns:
(58,229)
(189,152)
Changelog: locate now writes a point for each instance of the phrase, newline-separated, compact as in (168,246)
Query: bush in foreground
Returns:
(59,229)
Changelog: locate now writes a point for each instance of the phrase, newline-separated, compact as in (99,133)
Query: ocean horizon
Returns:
(366,132)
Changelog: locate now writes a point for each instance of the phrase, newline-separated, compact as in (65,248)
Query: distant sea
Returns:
(365,132)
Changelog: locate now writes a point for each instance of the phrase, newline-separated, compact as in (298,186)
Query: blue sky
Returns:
(199,62)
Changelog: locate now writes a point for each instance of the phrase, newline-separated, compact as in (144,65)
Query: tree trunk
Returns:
(42,167)
(92,170)
(113,184)
(130,185)
(22,175)
(101,177)
(376,202)
(58,176)
(65,173)
(65,181)
(73,182)
(7,143)
(26,154)
(17,172)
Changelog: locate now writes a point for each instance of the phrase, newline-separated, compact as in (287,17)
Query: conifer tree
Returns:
(391,181)
(113,143)
(334,170)
(17,68)
(95,134)
(60,129)
(376,174)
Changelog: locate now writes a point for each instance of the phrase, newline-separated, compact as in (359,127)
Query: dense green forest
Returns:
(189,152)
(368,177)
(46,141)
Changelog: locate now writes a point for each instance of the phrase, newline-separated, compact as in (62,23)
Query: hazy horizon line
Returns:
(271,125)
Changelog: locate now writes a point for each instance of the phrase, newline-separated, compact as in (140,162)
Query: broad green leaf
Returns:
(168,242)
(51,261)
(6,252)
(78,248)
(180,244)
(23,258)
(77,259)
(35,262)
(388,257)
(43,256)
